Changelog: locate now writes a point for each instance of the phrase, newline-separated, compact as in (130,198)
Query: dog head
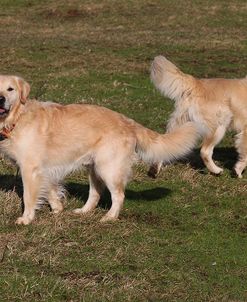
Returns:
(13,92)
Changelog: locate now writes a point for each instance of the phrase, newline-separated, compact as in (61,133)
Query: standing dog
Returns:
(48,140)
(213,104)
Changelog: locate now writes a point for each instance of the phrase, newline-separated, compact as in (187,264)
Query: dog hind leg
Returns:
(96,188)
(117,197)
(115,175)
(54,199)
(208,147)
(241,145)
(154,169)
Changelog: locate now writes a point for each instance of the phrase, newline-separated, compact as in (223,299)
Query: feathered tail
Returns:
(169,80)
(153,147)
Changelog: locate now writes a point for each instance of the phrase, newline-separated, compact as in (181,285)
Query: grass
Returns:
(180,237)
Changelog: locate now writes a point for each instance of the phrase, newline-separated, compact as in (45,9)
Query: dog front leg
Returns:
(31,178)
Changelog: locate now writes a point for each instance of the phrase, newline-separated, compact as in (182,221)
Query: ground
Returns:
(180,237)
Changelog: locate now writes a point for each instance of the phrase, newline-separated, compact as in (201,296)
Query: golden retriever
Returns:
(213,104)
(49,140)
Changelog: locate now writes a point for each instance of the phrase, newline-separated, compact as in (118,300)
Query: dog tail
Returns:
(169,79)
(153,147)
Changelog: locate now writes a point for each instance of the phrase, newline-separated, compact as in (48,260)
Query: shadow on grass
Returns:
(11,183)
(80,191)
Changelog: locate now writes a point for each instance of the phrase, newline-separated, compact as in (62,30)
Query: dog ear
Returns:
(24,89)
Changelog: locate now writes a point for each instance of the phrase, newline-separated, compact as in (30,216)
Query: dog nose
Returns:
(2,99)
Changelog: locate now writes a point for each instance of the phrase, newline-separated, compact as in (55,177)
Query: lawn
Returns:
(180,237)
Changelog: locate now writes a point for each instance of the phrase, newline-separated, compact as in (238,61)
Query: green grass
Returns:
(181,237)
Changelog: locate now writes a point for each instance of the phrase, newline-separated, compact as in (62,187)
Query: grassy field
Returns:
(180,237)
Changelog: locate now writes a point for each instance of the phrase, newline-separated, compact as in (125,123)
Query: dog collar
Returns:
(6,132)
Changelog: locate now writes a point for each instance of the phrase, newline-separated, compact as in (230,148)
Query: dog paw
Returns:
(152,173)
(218,171)
(154,170)
(238,173)
(22,220)
(57,210)
(79,211)
(84,210)
(107,218)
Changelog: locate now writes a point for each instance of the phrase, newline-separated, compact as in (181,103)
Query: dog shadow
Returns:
(80,191)
(11,182)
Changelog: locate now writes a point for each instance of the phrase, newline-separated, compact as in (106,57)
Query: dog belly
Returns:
(56,171)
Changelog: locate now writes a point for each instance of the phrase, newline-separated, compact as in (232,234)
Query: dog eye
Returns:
(10,89)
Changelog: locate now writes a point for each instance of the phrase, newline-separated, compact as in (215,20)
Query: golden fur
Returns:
(50,140)
(213,104)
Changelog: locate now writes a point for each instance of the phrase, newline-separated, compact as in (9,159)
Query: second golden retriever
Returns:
(213,104)
(48,141)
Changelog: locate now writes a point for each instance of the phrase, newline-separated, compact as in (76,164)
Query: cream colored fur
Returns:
(213,104)
(49,141)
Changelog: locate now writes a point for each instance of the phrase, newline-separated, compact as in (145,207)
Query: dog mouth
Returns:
(3,111)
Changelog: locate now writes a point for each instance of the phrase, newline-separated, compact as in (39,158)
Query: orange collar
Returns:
(6,132)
